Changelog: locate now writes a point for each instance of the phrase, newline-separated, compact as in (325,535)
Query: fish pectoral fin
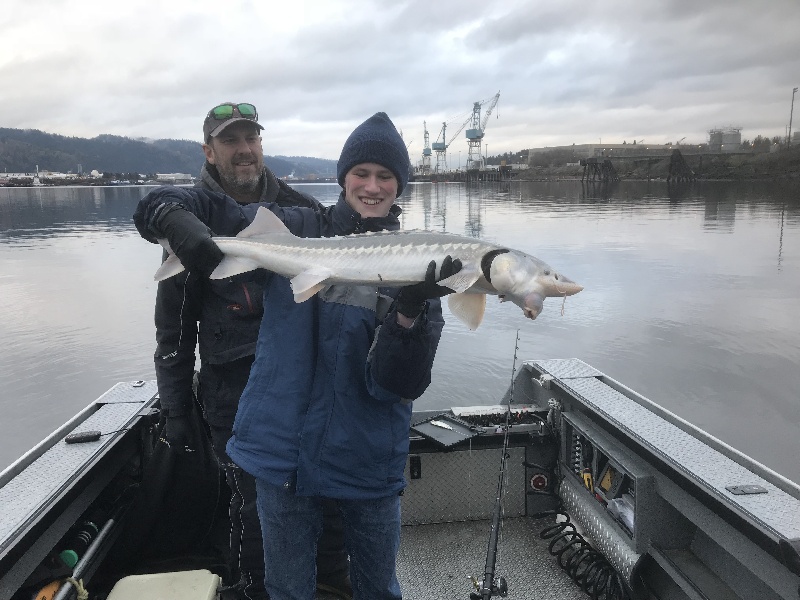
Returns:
(309,282)
(308,293)
(233,265)
(165,245)
(461,281)
(265,222)
(170,267)
(468,308)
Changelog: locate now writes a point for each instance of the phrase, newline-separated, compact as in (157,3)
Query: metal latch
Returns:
(742,490)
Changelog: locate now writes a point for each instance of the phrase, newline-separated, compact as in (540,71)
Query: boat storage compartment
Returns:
(445,430)
(617,486)
(608,491)
(664,499)
(457,481)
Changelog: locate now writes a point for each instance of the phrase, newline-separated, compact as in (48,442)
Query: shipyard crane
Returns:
(476,132)
(426,151)
(442,143)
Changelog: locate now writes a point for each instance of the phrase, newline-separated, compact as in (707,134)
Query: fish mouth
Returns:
(530,313)
(533,305)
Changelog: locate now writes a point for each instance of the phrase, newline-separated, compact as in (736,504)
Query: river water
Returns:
(691,299)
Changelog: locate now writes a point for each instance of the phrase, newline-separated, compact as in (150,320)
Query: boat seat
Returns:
(178,585)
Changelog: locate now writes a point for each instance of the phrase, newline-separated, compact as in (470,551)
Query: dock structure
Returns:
(502,173)
(679,170)
(593,170)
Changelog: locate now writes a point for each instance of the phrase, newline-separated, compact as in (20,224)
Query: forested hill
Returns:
(21,150)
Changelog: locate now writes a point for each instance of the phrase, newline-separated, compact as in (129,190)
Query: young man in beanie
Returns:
(223,319)
(327,408)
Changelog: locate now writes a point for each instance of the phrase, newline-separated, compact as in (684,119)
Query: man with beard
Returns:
(222,317)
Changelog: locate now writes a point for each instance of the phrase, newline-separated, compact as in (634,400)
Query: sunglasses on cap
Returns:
(226,111)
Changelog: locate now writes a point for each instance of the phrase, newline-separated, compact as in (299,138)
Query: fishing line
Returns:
(564,302)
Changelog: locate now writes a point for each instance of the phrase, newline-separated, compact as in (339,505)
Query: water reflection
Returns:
(780,238)
(691,298)
(473,227)
(598,190)
(38,212)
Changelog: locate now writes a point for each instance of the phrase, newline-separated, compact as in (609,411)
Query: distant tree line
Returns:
(510,158)
(558,157)
(761,143)
(21,150)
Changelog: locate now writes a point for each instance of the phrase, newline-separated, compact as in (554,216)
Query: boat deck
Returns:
(707,518)
(437,561)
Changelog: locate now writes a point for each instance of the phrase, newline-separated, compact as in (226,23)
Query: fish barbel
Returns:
(389,259)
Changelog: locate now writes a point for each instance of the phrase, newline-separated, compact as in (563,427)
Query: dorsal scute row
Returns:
(382,243)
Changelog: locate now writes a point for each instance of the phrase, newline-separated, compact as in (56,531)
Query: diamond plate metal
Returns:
(129,392)
(604,537)
(435,561)
(30,490)
(462,486)
(566,368)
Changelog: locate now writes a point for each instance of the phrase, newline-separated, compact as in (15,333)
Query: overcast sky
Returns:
(568,71)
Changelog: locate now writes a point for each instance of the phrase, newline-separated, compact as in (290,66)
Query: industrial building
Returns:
(725,139)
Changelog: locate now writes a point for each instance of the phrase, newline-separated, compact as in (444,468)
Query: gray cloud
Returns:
(568,71)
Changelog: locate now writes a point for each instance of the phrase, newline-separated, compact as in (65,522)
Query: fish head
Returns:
(527,281)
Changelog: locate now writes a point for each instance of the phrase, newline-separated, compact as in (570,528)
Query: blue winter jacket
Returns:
(328,402)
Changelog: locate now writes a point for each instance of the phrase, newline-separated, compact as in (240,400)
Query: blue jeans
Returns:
(291,526)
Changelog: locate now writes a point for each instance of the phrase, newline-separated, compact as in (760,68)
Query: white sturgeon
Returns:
(390,259)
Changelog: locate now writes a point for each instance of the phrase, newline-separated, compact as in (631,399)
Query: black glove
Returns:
(190,240)
(178,434)
(411,299)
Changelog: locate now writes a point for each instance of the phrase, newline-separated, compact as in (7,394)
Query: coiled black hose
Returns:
(585,565)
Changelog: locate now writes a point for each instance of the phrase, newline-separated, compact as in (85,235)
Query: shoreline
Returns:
(783,165)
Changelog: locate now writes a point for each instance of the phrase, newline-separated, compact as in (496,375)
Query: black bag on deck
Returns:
(179,518)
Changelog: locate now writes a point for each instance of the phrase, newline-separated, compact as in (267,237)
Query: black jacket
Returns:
(221,317)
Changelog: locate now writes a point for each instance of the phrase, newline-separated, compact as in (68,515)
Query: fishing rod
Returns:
(492,585)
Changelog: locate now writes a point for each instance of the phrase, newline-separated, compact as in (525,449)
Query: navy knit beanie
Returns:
(376,141)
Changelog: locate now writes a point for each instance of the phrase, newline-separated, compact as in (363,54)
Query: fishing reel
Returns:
(499,587)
